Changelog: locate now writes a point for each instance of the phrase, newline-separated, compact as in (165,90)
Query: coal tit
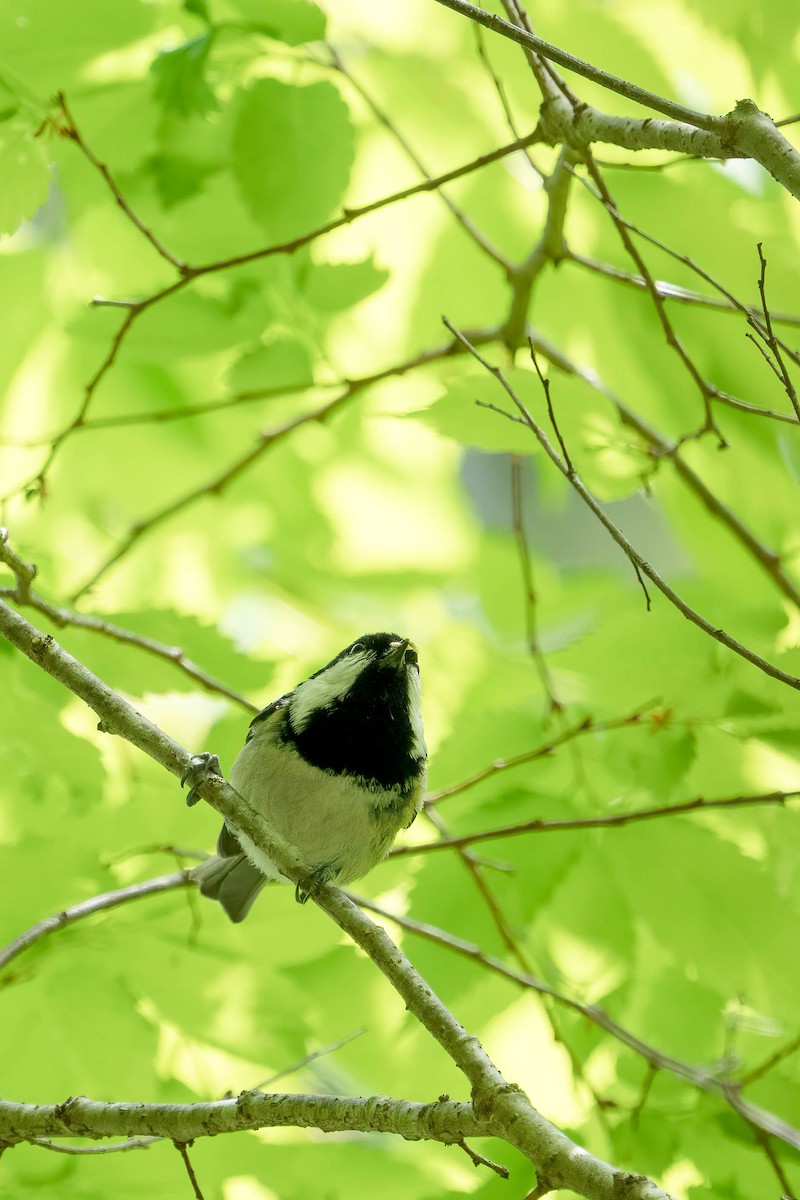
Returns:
(337,766)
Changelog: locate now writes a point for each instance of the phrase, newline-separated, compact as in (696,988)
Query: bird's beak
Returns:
(397,655)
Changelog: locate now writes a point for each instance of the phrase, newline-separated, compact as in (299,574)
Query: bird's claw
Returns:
(201,767)
(310,884)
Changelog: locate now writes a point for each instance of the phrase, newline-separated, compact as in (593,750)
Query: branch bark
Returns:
(497,1105)
(444,1121)
(745,132)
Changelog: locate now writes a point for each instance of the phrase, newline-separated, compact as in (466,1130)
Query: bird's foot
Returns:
(310,884)
(200,768)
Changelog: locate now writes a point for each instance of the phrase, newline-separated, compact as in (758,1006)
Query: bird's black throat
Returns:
(367,733)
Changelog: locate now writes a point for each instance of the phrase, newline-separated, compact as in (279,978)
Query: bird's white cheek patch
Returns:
(325,690)
(419,748)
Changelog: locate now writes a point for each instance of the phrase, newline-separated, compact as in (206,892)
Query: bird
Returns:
(337,766)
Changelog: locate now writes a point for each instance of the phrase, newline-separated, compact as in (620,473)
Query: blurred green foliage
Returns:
(227,129)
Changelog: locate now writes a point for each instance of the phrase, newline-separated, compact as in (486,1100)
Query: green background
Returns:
(227,130)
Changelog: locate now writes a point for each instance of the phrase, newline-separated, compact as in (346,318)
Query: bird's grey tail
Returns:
(233,881)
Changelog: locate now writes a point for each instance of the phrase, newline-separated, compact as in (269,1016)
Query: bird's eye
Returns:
(354,649)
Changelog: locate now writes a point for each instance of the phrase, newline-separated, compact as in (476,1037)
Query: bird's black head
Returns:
(360,714)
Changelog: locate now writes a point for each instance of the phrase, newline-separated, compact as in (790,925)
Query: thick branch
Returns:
(746,132)
(631,91)
(443,1121)
(497,1103)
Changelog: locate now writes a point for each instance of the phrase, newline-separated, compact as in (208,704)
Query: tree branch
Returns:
(611,821)
(442,1121)
(499,1106)
(635,557)
(613,83)
(87,908)
(23,594)
(700,1077)
(745,132)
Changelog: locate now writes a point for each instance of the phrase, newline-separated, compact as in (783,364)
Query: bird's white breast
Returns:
(329,818)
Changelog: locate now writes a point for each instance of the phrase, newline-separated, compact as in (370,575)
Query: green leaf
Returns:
(178,178)
(292,152)
(198,8)
(180,78)
(332,287)
(290,21)
(460,413)
(282,360)
(25,172)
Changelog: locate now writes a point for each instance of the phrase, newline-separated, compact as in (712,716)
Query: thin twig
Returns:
(140,1143)
(531,598)
(499,87)
(545,382)
(766,332)
(658,446)
(586,726)
(266,441)
(310,1058)
(673,341)
(576,824)
(87,908)
(773,1160)
(463,219)
(756,1073)
(616,533)
(700,1077)
(24,595)
(478,1160)
(183,1150)
(70,129)
(673,291)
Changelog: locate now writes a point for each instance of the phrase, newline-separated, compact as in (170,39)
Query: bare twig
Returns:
(87,908)
(700,1077)
(768,559)
(499,87)
(23,594)
(531,598)
(478,1160)
(672,291)
(575,824)
(466,222)
(183,1150)
(69,129)
(585,727)
(770,1063)
(685,609)
(773,1160)
(706,389)
(141,1143)
(545,382)
(766,333)
(265,441)
(310,1058)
